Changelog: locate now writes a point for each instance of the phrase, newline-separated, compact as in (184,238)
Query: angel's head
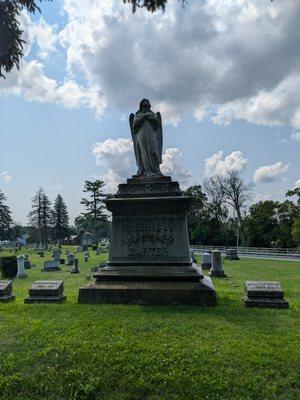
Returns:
(145,104)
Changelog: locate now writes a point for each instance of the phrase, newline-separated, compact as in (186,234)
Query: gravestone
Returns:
(86,256)
(216,269)
(6,292)
(27,263)
(75,269)
(46,292)
(149,256)
(231,254)
(51,266)
(206,260)
(98,252)
(70,259)
(264,294)
(21,267)
(56,255)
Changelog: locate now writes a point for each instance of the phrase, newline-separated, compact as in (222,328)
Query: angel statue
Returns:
(146,131)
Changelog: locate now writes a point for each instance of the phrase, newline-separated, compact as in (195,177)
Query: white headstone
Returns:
(21,267)
(216,269)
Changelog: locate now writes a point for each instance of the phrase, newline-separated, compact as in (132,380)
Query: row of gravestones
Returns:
(213,262)
(40,292)
(257,294)
(41,252)
(264,294)
(23,263)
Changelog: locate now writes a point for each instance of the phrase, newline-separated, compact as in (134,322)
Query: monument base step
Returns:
(150,292)
(6,298)
(45,299)
(143,273)
(265,302)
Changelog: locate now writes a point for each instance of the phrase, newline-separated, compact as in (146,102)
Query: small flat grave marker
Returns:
(51,266)
(264,294)
(6,292)
(46,292)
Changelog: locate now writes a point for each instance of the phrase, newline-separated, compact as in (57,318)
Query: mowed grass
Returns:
(77,351)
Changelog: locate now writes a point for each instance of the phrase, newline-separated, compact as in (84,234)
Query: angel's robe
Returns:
(145,135)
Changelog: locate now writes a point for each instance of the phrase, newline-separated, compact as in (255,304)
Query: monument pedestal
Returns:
(149,259)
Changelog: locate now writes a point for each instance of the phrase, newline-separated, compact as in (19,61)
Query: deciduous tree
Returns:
(5,218)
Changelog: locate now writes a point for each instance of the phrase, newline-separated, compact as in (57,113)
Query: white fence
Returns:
(259,252)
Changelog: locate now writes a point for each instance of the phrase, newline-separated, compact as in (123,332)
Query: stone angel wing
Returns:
(134,139)
(159,137)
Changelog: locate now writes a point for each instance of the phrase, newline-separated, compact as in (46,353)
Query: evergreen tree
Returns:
(40,215)
(5,218)
(60,220)
(94,205)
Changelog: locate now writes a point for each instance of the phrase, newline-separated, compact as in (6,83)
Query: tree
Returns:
(5,218)
(269,223)
(195,214)
(60,219)
(40,216)
(296,230)
(11,42)
(236,192)
(214,190)
(84,223)
(260,224)
(294,192)
(286,212)
(94,205)
(150,5)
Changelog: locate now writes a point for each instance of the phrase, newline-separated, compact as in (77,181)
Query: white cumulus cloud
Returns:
(6,176)
(32,84)
(218,59)
(117,162)
(227,58)
(172,165)
(217,165)
(270,173)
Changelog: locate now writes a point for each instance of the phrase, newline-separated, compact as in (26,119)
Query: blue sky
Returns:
(228,101)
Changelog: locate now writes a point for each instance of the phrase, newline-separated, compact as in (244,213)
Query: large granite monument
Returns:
(149,258)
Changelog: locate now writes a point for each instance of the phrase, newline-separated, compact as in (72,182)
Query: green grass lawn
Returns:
(77,351)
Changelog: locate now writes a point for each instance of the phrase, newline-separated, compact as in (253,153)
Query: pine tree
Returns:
(5,218)
(40,215)
(94,205)
(60,219)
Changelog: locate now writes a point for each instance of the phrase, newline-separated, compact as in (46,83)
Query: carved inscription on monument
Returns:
(148,238)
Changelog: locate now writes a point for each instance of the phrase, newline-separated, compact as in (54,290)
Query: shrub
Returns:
(8,266)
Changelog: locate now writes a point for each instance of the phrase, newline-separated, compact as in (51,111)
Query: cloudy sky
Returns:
(225,75)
